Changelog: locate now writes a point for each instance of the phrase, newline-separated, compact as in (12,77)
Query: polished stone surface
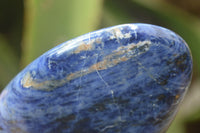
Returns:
(124,79)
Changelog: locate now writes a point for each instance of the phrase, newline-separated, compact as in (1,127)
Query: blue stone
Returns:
(128,78)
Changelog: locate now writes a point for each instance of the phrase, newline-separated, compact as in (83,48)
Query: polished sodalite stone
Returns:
(123,79)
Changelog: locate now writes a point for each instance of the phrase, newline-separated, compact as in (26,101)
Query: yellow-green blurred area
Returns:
(28,28)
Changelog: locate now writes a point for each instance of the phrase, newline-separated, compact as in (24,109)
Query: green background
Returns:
(28,28)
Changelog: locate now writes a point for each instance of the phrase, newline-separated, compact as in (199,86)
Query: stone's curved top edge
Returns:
(116,33)
(78,42)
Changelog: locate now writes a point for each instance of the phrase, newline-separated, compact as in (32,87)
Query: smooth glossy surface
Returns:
(123,79)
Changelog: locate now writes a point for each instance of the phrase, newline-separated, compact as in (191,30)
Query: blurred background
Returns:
(28,28)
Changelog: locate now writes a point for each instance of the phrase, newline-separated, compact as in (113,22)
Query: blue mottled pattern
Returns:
(123,79)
